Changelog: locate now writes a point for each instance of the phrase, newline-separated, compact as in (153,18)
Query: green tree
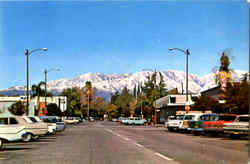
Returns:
(53,110)
(37,91)
(73,100)
(17,108)
(207,103)
(236,96)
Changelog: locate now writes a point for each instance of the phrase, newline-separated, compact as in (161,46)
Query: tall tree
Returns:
(17,108)
(73,100)
(236,96)
(38,91)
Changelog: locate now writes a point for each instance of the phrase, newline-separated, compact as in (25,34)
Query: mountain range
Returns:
(110,83)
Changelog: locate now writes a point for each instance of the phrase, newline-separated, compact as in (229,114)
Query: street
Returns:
(104,142)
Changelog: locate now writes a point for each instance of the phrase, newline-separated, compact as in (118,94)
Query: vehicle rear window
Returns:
(227,118)
(3,121)
(172,118)
(243,119)
(189,117)
(13,121)
(179,117)
(32,119)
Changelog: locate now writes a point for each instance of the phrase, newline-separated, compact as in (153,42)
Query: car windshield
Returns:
(227,118)
(172,118)
(243,119)
(32,119)
(189,117)
(27,120)
(179,117)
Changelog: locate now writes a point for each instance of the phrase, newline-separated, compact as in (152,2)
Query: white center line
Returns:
(139,145)
(162,156)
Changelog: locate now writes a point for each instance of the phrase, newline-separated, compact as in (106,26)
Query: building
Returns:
(6,102)
(172,103)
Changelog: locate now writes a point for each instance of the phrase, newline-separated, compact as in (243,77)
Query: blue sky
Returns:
(119,37)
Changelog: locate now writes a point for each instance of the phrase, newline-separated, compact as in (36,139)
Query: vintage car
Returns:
(188,117)
(55,121)
(196,126)
(10,130)
(34,130)
(71,120)
(239,127)
(51,126)
(215,127)
(134,121)
(173,122)
(124,121)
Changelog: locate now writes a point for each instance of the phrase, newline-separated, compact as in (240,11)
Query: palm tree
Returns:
(38,91)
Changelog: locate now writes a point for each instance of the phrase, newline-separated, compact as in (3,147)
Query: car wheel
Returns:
(27,137)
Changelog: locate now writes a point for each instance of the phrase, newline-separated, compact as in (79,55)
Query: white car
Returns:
(173,122)
(71,120)
(51,126)
(10,130)
(240,126)
(34,130)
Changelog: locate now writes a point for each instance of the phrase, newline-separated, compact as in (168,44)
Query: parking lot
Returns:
(104,142)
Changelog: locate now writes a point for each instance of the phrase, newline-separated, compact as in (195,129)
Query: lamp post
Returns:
(187,53)
(45,74)
(28,53)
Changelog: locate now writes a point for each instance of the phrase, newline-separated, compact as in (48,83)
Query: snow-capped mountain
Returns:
(110,83)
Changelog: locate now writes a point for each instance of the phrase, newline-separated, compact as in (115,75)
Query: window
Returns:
(3,121)
(189,117)
(172,99)
(13,121)
(32,119)
(243,119)
(227,118)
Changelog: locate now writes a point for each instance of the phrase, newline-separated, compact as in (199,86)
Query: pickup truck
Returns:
(239,127)
(215,127)
(173,122)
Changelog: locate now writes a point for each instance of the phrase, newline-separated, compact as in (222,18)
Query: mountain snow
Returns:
(110,83)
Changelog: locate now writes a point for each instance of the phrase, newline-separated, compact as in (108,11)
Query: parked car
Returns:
(51,126)
(71,120)
(55,121)
(239,127)
(10,130)
(215,127)
(134,121)
(173,122)
(188,117)
(34,131)
(124,121)
(91,119)
(196,126)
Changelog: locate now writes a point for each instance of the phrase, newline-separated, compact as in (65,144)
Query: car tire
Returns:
(27,137)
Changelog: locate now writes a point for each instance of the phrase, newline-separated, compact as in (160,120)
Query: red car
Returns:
(216,127)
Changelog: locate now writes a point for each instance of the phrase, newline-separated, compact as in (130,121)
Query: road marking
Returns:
(162,156)
(127,139)
(139,145)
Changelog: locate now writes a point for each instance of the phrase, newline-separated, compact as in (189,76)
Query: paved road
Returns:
(110,143)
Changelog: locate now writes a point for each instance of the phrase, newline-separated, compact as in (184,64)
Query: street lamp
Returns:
(45,74)
(28,53)
(187,53)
